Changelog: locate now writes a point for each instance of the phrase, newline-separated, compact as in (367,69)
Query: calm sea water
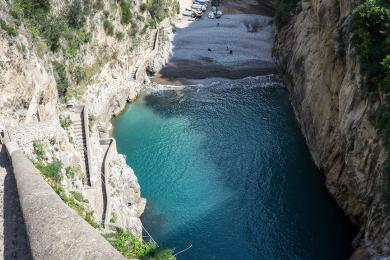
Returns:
(225,169)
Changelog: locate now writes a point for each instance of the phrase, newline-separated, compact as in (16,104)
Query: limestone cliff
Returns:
(321,70)
(94,62)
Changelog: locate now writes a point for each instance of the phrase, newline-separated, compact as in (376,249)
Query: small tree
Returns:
(75,14)
(61,78)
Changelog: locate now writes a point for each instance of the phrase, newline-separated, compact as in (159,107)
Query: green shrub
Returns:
(88,7)
(65,121)
(75,14)
(80,207)
(132,247)
(139,18)
(11,30)
(119,36)
(371,39)
(74,41)
(108,27)
(15,12)
(75,200)
(283,12)
(143,7)
(99,5)
(91,121)
(52,141)
(114,218)
(54,29)
(61,78)
(79,197)
(70,172)
(51,28)
(158,9)
(52,170)
(29,7)
(39,149)
(126,14)
(79,74)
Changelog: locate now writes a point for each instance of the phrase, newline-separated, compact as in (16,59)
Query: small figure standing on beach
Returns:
(217,24)
(231,52)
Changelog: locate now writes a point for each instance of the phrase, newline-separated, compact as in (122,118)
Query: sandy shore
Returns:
(233,47)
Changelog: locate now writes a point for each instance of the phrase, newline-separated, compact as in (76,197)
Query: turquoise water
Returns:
(225,169)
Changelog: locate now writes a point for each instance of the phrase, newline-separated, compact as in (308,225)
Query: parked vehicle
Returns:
(200,3)
(196,6)
(198,14)
(218,14)
(187,13)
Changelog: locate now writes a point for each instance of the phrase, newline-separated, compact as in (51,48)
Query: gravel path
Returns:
(13,239)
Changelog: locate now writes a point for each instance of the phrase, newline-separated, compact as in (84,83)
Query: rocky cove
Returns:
(342,142)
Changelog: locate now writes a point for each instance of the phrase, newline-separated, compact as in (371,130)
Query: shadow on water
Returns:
(234,178)
(277,206)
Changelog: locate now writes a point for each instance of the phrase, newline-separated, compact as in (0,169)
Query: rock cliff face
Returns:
(321,70)
(28,89)
(30,106)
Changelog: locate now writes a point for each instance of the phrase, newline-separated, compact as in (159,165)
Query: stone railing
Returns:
(155,41)
(88,146)
(106,188)
(54,230)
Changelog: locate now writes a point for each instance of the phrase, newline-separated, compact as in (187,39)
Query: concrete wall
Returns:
(54,230)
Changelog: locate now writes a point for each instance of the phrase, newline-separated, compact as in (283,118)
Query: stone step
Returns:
(78,129)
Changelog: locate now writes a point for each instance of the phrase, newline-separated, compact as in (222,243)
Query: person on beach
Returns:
(231,52)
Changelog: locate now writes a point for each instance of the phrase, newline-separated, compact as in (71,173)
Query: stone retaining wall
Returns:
(54,230)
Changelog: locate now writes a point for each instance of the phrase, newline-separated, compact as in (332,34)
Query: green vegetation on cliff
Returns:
(283,13)
(75,200)
(59,31)
(132,247)
(11,30)
(371,38)
(52,173)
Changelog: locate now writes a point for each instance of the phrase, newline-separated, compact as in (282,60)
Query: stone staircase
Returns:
(134,72)
(80,142)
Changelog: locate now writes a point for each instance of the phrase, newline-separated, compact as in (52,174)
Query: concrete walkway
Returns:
(13,239)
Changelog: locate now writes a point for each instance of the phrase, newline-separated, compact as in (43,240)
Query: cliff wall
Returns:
(322,72)
(91,60)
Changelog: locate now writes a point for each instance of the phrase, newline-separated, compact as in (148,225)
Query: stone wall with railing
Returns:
(54,230)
